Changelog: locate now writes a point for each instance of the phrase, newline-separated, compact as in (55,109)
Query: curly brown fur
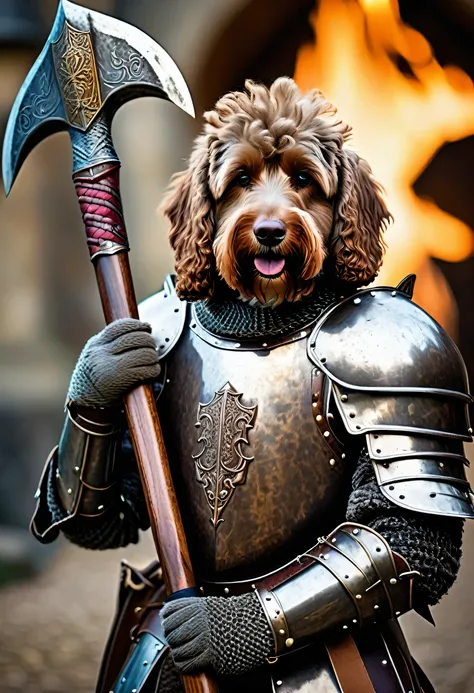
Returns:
(272,136)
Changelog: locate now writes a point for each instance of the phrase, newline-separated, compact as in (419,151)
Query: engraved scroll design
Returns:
(77,76)
(221,465)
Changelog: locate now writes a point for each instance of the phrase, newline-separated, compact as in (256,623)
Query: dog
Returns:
(271,195)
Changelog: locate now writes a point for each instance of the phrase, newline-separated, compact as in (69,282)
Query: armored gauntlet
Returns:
(349,580)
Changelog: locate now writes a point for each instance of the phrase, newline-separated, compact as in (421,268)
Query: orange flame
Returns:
(400,121)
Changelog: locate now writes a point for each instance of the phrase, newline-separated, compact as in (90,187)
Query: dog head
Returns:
(271,193)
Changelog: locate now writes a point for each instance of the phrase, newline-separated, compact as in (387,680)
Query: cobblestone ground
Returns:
(53,628)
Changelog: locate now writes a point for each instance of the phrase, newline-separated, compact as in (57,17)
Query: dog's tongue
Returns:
(269,266)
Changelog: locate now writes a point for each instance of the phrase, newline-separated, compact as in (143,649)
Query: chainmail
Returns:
(430,544)
(230,634)
(236,318)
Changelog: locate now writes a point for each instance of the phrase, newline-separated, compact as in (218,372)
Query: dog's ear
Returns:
(188,204)
(360,218)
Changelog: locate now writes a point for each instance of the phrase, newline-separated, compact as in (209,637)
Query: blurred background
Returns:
(401,75)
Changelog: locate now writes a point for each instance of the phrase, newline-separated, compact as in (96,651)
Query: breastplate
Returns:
(254,474)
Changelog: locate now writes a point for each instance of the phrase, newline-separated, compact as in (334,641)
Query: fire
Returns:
(401,117)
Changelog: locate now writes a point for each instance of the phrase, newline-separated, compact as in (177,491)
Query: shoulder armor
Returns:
(166,315)
(396,376)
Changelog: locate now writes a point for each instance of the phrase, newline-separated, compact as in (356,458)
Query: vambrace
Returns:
(349,580)
(82,471)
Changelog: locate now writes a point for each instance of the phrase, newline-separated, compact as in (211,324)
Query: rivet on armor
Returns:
(345,627)
(344,398)
(123,680)
(159,646)
(168,381)
(352,413)
(279,682)
(441,465)
(384,662)
(315,404)
(201,589)
(372,293)
(289,642)
(394,293)
(325,556)
(343,455)
(134,690)
(397,613)
(319,417)
(145,663)
(393,581)
(57,474)
(137,609)
(264,344)
(330,416)
(253,587)
(226,590)
(376,606)
(355,531)
(332,462)
(237,345)
(77,469)
(469,430)
(334,540)
(101,507)
(357,300)
(358,596)
(122,516)
(69,491)
(326,434)
(282,631)
(303,333)
(354,620)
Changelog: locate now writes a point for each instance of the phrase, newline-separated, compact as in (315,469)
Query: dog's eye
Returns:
(303,179)
(242,179)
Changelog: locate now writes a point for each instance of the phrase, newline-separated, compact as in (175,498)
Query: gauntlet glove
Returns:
(350,579)
(122,356)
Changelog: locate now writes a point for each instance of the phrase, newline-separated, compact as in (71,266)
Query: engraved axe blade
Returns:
(91,62)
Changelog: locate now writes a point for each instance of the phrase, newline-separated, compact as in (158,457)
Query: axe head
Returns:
(91,62)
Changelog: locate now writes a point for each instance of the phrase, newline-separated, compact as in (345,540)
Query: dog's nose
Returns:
(270,232)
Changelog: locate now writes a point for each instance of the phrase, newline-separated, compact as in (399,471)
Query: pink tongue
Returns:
(269,266)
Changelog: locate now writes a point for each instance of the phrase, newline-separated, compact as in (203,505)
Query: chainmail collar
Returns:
(233,317)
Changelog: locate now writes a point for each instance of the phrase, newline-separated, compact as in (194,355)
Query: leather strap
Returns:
(349,667)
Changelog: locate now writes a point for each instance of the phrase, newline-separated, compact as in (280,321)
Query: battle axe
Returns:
(91,65)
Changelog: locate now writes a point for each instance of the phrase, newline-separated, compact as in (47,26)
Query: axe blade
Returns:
(117,63)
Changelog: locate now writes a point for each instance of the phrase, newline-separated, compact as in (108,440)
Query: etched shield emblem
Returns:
(221,465)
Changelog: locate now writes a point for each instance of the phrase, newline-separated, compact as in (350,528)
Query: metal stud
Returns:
(384,662)
(77,469)
(123,680)
(357,300)
(376,606)
(319,417)
(57,474)
(201,589)
(394,293)
(226,590)
(264,344)
(334,540)
(441,465)
(315,404)
(101,507)
(343,455)
(345,627)
(137,609)
(393,581)
(358,596)
(398,613)
(344,398)
(145,663)
(237,345)
(352,413)
(326,434)
(355,531)
(354,620)
(332,462)
(159,646)
(279,682)
(69,491)
(122,516)
(289,642)
(372,293)
(469,430)
(282,631)
(253,587)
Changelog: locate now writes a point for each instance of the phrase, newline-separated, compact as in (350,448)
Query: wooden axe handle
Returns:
(118,301)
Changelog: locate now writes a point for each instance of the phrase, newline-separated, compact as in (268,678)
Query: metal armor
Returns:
(394,376)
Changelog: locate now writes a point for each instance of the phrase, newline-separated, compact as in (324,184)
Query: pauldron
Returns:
(394,375)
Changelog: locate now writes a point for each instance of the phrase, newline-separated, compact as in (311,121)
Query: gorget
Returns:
(240,319)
